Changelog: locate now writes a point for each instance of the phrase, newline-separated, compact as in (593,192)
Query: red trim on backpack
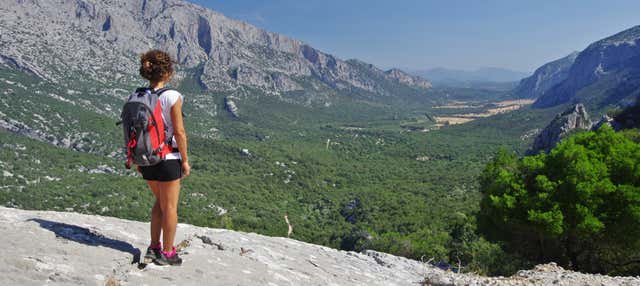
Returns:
(159,142)
(130,146)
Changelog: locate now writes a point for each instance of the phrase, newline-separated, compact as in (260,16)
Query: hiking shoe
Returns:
(153,253)
(169,258)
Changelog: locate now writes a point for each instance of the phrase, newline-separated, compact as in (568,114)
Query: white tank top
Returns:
(167,100)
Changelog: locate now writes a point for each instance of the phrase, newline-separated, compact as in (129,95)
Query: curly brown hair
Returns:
(156,65)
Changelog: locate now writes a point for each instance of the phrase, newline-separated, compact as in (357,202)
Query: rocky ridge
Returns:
(565,123)
(90,39)
(545,77)
(576,119)
(70,249)
(613,62)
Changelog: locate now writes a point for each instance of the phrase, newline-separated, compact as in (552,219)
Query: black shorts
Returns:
(167,170)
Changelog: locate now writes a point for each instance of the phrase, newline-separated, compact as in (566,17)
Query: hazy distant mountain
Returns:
(101,40)
(545,77)
(606,72)
(455,77)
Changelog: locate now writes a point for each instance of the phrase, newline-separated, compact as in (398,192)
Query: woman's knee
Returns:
(169,194)
(156,208)
(169,207)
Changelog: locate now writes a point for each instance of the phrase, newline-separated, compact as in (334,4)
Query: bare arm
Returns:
(180,135)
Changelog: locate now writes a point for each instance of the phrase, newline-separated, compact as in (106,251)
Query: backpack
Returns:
(145,134)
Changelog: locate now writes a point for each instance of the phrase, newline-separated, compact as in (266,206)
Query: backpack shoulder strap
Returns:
(141,89)
(161,91)
(138,92)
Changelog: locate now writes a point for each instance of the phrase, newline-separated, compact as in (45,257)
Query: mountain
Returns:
(70,249)
(456,77)
(80,58)
(545,77)
(101,40)
(564,124)
(607,72)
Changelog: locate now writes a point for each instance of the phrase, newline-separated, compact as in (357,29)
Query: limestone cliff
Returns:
(565,123)
(101,40)
(606,72)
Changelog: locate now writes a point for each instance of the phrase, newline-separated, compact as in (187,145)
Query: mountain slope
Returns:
(545,77)
(606,72)
(101,40)
(80,58)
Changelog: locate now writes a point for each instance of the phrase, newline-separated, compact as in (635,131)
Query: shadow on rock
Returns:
(88,237)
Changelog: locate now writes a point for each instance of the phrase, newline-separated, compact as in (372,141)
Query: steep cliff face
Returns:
(404,78)
(101,39)
(611,67)
(545,77)
(571,120)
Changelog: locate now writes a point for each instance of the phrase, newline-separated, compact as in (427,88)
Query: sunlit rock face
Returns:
(572,120)
(611,67)
(545,77)
(102,40)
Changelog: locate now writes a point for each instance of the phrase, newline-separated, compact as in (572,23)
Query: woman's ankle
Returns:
(170,253)
(156,245)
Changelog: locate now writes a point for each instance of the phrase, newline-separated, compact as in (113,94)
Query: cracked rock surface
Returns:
(57,248)
(43,247)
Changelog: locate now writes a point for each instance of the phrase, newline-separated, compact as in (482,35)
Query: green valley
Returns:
(348,175)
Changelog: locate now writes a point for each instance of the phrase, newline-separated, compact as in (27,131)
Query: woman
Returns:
(164,178)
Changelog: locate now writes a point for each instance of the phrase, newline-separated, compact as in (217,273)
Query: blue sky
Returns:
(422,34)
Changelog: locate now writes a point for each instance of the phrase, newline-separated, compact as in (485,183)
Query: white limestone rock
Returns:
(58,248)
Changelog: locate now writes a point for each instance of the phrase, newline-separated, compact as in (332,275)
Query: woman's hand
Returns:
(186,169)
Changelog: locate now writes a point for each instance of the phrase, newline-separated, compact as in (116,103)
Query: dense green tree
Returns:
(579,205)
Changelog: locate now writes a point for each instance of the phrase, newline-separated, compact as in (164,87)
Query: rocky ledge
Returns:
(43,247)
(571,120)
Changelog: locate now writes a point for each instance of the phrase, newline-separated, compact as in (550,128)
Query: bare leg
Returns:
(169,194)
(156,214)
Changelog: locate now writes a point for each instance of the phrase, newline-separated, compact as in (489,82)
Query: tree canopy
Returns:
(579,205)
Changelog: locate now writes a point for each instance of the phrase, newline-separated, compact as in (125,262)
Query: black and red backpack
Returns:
(145,133)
